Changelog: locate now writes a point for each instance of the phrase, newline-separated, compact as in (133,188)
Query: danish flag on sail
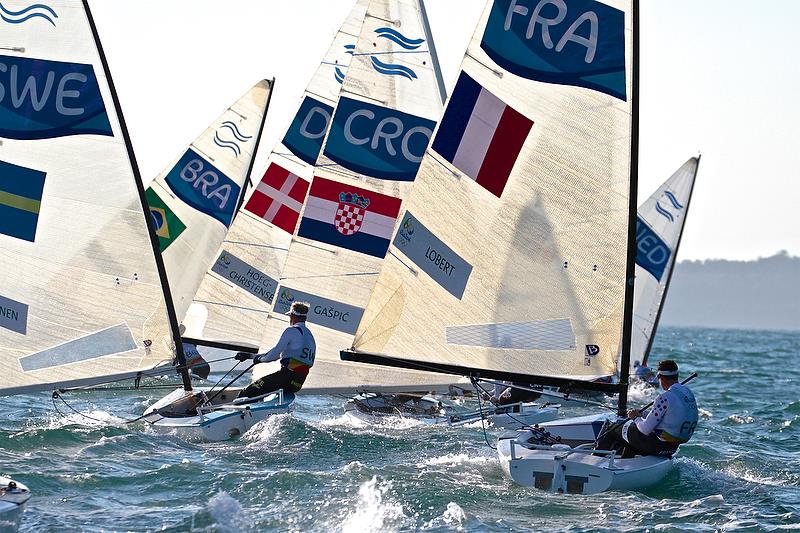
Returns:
(279,198)
(349,217)
(481,135)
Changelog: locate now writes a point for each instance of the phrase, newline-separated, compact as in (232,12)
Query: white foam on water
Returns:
(374,510)
(453,459)
(103,441)
(266,430)
(228,513)
(642,393)
(90,418)
(452,518)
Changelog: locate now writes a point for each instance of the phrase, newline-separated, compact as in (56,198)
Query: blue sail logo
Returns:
(35,11)
(377,141)
(567,42)
(204,187)
(230,128)
(307,131)
(663,211)
(398,38)
(41,99)
(652,253)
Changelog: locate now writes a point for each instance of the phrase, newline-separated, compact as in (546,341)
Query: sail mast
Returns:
(630,271)
(162,273)
(673,260)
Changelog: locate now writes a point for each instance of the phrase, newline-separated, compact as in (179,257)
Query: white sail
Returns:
(236,295)
(659,227)
(81,296)
(390,101)
(511,255)
(194,200)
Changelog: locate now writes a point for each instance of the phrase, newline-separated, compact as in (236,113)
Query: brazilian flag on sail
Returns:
(168,225)
(20,200)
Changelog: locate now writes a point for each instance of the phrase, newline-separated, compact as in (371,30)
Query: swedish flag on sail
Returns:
(167,224)
(20,200)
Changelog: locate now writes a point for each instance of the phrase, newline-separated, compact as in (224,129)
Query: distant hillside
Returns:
(760,294)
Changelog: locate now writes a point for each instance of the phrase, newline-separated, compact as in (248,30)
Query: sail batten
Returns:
(511,254)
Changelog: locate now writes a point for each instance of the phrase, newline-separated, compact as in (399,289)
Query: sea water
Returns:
(316,470)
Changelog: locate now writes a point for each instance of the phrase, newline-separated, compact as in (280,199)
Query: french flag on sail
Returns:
(481,135)
(349,217)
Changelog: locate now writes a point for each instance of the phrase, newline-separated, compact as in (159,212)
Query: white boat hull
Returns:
(13,497)
(573,468)
(222,421)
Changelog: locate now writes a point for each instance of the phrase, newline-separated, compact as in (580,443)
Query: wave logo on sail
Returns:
(21,191)
(230,128)
(392,69)
(398,38)
(377,141)
(575,42)
(204,187)
(35,11)
(42,99)
(661,210)
(307,131)
(338,73)
(652,253)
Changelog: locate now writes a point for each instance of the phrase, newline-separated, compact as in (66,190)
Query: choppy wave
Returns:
(319,470)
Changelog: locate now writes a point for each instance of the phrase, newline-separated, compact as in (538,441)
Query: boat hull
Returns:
(13,499)
(222,422)
(563,469)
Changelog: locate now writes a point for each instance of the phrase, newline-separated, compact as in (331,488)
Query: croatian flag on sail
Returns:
(481,135)
(349,217)
(279,198)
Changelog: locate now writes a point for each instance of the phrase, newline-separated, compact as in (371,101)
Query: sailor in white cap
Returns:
(295,349)
(670,422)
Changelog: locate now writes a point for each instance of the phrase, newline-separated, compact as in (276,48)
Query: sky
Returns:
(718,77)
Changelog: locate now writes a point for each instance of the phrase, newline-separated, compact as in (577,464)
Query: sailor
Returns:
(644,373)
(660,430)
(194,361)
(295,349)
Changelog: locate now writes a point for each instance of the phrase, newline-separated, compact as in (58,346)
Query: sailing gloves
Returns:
(258,358)
(243,356)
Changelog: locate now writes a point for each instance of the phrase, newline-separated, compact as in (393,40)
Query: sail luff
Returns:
(180,357)
(437,69)
(671,267)
(630,271)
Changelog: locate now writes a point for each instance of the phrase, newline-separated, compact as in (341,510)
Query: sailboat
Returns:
(83,295)
(13,497)
(515,257)
(193,203)
(659,229)
(390,100)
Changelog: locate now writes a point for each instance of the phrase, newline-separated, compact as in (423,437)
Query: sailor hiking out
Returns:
(660,430)
(295,349)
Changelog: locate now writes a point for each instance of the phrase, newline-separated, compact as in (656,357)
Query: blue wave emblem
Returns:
(339,75)
(235,130)
(391,69)
(666,214)
(28,13)
(349,48)
(673,200)
(231,145)
(397,37)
